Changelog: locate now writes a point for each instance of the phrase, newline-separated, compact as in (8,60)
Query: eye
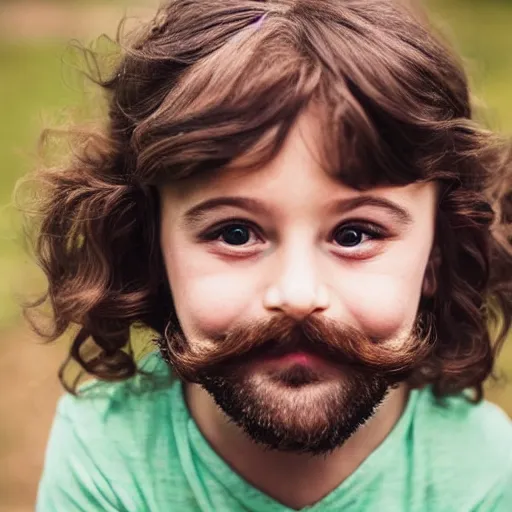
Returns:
(235,234)
(352,236)
(349,237)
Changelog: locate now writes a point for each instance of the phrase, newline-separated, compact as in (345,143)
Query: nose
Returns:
(297,292)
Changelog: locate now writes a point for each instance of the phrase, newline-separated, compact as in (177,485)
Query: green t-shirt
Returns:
(123,447)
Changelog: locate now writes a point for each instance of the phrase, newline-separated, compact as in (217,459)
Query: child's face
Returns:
(299,251)
(296,242)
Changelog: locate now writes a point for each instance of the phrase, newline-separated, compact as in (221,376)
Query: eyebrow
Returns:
(197,212)
(397,211)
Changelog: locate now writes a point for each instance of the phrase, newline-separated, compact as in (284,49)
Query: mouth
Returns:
(297,360)
(298,354)
(298,357)
(298,351)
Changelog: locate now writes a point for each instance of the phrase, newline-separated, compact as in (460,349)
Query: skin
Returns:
(291,263)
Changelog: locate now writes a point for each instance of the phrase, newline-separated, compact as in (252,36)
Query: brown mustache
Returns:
(340,344)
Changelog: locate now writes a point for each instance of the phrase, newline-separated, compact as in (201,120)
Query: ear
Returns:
(430,279)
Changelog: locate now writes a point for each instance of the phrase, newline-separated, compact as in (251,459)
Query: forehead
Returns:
(295,179)
(298,160)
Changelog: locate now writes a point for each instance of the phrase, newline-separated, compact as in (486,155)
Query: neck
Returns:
(295,480)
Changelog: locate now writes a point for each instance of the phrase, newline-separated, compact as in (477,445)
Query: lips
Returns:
(278,355)
(295,357)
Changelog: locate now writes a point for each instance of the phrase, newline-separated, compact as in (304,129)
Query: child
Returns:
(293,195)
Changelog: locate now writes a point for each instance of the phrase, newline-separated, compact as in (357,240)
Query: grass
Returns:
(480,31)
(32,90)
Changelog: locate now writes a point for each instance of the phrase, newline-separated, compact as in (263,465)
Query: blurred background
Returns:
(36,86)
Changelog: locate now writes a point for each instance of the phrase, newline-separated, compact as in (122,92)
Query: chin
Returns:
(297,408)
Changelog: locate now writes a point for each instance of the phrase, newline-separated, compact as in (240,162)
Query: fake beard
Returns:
(296,407)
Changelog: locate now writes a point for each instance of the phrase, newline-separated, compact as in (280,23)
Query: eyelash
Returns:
(374,231)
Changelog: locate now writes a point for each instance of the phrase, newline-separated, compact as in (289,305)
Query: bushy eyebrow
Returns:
(340,206)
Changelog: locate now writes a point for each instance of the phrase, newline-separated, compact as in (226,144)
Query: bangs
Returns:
(381,120)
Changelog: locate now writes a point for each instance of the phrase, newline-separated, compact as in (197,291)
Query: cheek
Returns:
(212,304)
(209,298)
(382,304)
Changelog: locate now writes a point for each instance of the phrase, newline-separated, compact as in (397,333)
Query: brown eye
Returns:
(349,237)
(235,234)
(238,234)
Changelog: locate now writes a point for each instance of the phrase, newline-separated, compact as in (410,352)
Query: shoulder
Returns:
(104,442)
(155,377)
(455,421)
(124,407)
(467,448)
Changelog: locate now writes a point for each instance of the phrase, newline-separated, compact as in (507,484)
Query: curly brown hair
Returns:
(210,80)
